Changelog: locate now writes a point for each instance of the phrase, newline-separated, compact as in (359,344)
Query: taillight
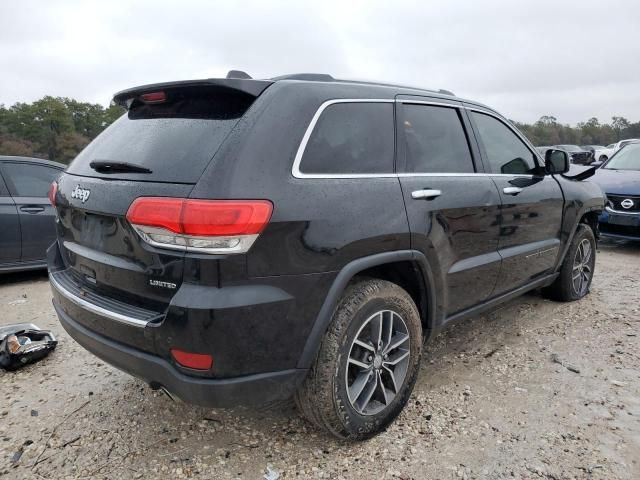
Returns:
(208,226)
(53,191)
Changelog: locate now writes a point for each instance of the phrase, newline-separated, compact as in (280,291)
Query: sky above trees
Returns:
(527,59)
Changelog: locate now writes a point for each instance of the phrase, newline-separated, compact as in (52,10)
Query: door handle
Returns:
(426,194)
(32,209)
(512,190)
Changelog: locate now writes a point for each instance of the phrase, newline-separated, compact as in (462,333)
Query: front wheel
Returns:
(577,270)
(367,363)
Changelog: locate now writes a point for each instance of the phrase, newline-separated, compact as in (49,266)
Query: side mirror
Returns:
(556,162)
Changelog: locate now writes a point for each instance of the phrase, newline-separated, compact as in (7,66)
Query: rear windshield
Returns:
(175,139)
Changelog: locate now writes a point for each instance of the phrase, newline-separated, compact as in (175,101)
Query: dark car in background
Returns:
(619,179)
(577,154)
(27,225)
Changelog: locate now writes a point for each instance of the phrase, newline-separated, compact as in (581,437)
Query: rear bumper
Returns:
(251,389)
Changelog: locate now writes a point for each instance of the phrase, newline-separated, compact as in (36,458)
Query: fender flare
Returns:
(341,281)
(581,213)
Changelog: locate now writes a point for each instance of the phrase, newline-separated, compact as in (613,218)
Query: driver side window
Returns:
(505,152)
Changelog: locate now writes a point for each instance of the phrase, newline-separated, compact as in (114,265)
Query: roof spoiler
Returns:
(243,85)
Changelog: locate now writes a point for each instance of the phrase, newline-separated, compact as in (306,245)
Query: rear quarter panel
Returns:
(318,225)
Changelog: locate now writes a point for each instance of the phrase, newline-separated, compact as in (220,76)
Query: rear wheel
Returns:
(367,363)
(577,270)
(603,158)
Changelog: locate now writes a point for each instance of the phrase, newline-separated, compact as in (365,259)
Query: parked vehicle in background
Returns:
(242,241)
(604,154)
(592,149)
(543,150)
(26,216)
(577,155)
(619,179)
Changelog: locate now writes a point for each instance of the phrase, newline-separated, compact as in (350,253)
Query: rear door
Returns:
(531,215)
(452,207)
(10,243)
(28,184)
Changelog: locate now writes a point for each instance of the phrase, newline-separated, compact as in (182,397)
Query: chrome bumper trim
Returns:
(95,308)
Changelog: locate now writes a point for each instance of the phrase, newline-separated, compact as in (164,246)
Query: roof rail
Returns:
(317,77)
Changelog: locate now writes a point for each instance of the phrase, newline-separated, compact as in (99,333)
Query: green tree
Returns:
(619,125)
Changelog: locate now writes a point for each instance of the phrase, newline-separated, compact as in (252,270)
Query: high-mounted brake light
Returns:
(208,226)
(53,191)
(153,97)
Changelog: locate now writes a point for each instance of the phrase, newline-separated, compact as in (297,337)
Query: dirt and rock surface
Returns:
(534,389)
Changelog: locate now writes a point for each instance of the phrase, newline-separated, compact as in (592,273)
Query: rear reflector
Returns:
(53,191)
(209,226)
(197,361)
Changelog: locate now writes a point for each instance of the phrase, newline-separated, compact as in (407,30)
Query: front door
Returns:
(532,203)
(452,209)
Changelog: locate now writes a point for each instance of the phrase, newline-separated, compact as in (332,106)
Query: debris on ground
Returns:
(555,358)
(271,474)
(24,343)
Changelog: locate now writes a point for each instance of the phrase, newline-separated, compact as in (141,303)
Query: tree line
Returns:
(54,128)
(57,128)
(548,131)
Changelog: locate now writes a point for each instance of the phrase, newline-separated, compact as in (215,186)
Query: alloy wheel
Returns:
(582,268)
(378,362)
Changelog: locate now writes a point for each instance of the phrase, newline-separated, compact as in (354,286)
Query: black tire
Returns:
(603,158)
(324,399)
(565,288)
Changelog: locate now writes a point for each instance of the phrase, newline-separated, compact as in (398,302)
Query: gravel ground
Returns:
(490,402)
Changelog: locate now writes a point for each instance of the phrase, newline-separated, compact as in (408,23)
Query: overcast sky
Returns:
(570,59)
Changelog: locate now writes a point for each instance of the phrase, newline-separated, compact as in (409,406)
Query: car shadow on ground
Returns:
(22,277)
(282,422)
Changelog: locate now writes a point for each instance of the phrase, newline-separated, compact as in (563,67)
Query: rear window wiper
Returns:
(105,166)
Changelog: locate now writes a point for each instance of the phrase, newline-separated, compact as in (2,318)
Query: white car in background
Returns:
(603,154)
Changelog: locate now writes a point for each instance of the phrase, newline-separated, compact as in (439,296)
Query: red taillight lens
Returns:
(157,212)
(225,217)
(53,191)
(153,97)
(197,361)
(213,226)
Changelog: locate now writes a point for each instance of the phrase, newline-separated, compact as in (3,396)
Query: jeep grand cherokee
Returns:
(244,241)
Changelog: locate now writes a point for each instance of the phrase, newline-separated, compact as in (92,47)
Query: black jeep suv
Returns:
(244,241)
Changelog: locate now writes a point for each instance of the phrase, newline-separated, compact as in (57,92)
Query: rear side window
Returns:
(175,139)
(29,180)
(351,138)
(435,140)
(505,152)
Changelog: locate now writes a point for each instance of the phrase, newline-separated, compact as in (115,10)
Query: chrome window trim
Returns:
(297,173)
(507,124)
(95,308)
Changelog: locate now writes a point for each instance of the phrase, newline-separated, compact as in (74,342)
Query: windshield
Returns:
(626,159)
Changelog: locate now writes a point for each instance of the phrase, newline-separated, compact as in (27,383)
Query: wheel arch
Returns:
(387,267)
